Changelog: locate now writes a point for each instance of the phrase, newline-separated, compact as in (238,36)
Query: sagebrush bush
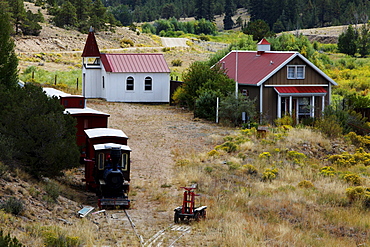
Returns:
(353,179)
(269,174)
(360,194)
(12,206)
(176,62)
(328,171)
(286,120)
(126,43)
(306,184)
(329,126)
(264,155)
(250,169)
(228,147)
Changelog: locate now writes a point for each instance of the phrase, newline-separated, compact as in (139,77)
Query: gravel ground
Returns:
(157,135)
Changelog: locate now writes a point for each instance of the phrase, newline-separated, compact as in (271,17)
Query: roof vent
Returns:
(263,46)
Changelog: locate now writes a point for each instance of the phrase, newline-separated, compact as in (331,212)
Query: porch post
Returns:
(322,104)
(290,105)
(279,107)
(261,102)
(313,106)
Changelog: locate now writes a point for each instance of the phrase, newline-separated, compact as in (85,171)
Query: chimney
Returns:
(263,46)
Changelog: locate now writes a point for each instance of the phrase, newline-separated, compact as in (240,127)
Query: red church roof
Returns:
(91,47)
(135,63)
(246,67)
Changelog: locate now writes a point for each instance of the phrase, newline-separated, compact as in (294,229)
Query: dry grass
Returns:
(243,210)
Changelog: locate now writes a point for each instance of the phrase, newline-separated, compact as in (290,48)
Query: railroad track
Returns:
(117,225)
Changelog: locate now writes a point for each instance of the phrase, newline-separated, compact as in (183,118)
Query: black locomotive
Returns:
(107,166)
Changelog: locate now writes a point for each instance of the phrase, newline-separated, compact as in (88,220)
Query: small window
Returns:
(130,84)
(296,72)
(148,84)
(103,82)
(245,92)
(101,161)
(124,161)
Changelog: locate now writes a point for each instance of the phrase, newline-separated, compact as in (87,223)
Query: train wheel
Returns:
(197,216)
(176,218)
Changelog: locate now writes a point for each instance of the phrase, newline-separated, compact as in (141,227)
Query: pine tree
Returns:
(229,12)
(18,13)
(347,41)
(364,40)
(8,58)
(66,15)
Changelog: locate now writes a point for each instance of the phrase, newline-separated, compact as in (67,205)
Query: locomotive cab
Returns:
(111,173)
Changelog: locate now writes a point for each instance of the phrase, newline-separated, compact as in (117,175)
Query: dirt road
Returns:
(158,134)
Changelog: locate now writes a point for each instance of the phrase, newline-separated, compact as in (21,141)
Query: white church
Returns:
(124,77)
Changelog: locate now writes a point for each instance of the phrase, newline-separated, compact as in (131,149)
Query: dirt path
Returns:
(157,135)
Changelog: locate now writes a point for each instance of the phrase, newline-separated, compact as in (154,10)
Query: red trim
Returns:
(300,90)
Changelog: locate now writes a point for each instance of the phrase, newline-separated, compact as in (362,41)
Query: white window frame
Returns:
(296,72)
(130,84)
(148,80)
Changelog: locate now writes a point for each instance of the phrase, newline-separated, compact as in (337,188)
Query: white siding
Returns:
(115,85)
(91,83)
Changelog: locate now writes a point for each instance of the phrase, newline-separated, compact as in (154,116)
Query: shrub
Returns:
(327,171)
(228,147)
(360,194)
(306,184)
(353,179)
(7,241)
(53,190)
(213,153)
(250,169)
(329,126)
(286,120)
(126,43)
(12,206)
(264,155)
(57,238)
(296,155)
(176,62)
(269,174)
(204,38)
(3,169)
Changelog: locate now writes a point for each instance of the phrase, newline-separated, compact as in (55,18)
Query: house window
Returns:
(245,92)
(148,84)
(130,83)
(103,82)
(296,72)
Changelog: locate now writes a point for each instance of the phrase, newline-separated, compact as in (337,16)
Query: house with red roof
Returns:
(283,83)
(124,77)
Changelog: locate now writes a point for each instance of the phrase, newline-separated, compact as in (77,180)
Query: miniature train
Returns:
(106,155)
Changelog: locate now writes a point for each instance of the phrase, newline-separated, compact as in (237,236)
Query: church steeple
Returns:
(91,47)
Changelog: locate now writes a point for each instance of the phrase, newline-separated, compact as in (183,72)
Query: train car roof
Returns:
(104,146)
(84,111)
(102,132)
(55,92)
